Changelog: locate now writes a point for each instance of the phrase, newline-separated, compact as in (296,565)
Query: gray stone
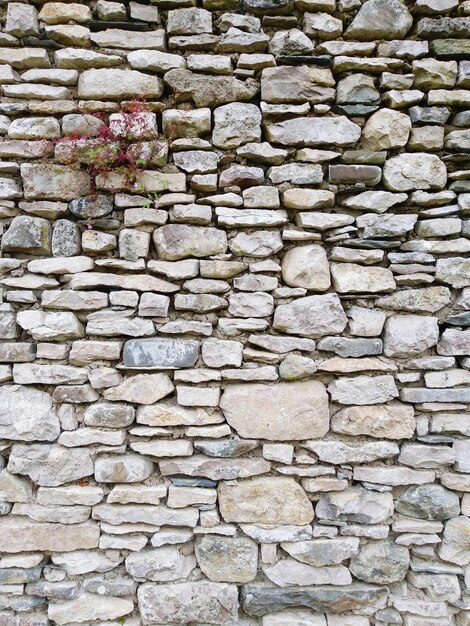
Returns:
(235,124)
(18,534)
(66,239)
(346,347)
(122,469)
(363,390)
(390,421)
(228,559)
(160,353)
(113,84)
(30,235)
(425,300)
(355,505)
(306,266)
(386,129)
(313,316)
(409,335)
(381,562)
(380,19)
(429,502)
(259,600)
(164,564)
(455,547)
(285,411)
(322,552)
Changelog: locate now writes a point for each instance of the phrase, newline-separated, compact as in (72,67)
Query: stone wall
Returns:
(235,370)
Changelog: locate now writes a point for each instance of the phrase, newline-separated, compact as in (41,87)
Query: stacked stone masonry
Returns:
(235,388)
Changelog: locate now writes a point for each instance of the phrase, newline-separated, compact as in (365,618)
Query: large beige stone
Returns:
(228,559)
(386,129)
(111,84)
(141,389)
(271,500)
(414,171)
(353,278)
(180,241)
(306,266)
(313,316)
(388,421)
(89,607)
(53,182)
(297,84)
(314,131)
(20,534)
(286,411)
(26,414)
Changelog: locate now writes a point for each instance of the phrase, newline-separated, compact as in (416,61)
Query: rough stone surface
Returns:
(234,313)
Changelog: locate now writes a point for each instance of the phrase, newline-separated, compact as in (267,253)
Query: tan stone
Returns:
(390,421)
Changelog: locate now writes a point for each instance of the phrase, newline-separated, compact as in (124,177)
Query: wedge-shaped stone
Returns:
(26,414)
(19,534)
(50,465)
(286,411)
(321,552)
(313,316)
(202,601)
(48,326)
(210,91)
(89,607)
(269,500)
(53,182)
(352,278)
(163,414)
(215,469)
(111,84)
(259,600)
(141,389)
(138,282)
(180,241)
(129,40)
(160,353)
(380,19)
(390,421)
(314,131)
(355,505)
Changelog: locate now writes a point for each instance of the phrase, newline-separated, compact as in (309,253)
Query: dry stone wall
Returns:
(234,313)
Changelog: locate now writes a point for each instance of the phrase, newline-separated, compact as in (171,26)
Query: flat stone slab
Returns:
(160,353)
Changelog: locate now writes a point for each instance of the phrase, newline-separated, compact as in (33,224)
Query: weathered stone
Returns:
(314,131)
(90,606)
(380,19)
(429,502)
(288,572)
(381,562)
(112,84)
(141,389)
(20,534)
(271,500)
(455,547)
(202,601)
(414,171)
(409,335)
(391,421)
(282,411)
(122,469)
(261,600)
(314,316)
(160,353)
(355,505)
(218,90)
(236,124)
(50,182)
(165,564)
(386,129)
(296,84)
(338,452)
(50,465)
(352,278)
(26,414)
(228,559)
(306,266)
(30,235)
(180,241)
(427,300)
(322,552)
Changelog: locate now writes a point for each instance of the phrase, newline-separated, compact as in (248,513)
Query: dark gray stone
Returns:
(344,346)
(445,27)
(259,600)
(91,207)
(368,174)
(429,115)
(421,394)
(450,48)
(461,119)
(462,319)
(66,239)
(160,353)
(63,590)
(381,562)
(19,575)
(272,7)
(429,502)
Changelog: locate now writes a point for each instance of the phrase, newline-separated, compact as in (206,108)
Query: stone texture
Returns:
(313,316)
(283,412)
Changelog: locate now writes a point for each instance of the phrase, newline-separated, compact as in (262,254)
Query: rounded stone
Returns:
(91,207)
(228,559)
(429,502)
(406,172)
(386,129)
(381,562)
(306,266)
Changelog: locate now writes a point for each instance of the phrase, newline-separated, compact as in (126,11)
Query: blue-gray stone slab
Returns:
(160,353)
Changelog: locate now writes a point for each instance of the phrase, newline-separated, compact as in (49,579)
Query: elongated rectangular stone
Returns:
(160,353)
(19,534)
(420,394)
